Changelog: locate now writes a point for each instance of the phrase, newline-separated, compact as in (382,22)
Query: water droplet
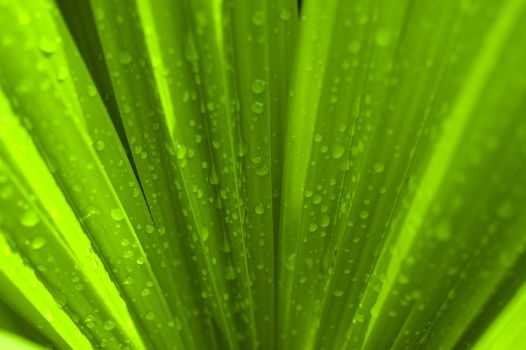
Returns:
(260,209)
(355,46)
(100,145)
(257,107)
(383,37)
(359,317)
(180,151)
(258,18)
(109,325)
(204,233)
(6,192)
(313,227)
(338,293)
(262,171)
(364,214)
(190,52)
(284,15)
(124,57)
(325,221)
(92,91)
(62,74)
(117,214)
(89,320)
(337,151)
(29,219)
(230,273)
(258,86)
(403,279)
(48,45)
(37,243)
(213,178)
(150,316)
(378,167)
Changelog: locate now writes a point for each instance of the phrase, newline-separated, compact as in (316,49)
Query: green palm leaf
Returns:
(208,174)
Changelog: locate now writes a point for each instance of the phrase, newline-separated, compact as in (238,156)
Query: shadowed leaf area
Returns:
(263,174)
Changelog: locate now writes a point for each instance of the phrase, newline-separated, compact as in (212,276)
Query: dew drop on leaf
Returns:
(89,320)
(383,37)
(262,171)
(100,145)
(213,179)
(258,18)
(124,57)
(92,91)
(258,86)
(338,293)
(325,221)
(378,167)
(117,214)
(29,219)
(37,243)
(337,151)
(257,107)
(284,15)
(403,279)
(354,46)
(260,209)
(180,151)
(109,325)
(62,74)
(359,318)
(48,45)
(204,233)
(149,229)
(230,273)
